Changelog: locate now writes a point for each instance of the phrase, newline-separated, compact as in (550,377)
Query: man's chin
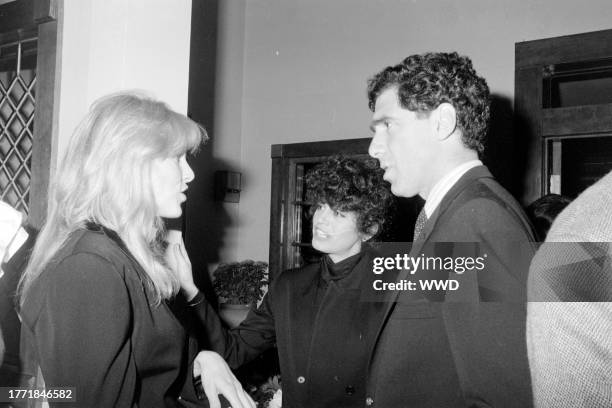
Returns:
(398,191)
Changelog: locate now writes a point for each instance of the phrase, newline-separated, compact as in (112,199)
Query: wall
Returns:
(215,101)
(110,45)
(305,64)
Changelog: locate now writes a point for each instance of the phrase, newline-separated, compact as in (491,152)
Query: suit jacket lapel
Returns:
(465,180)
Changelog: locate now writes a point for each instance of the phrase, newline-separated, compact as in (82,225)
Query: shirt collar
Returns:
(444,185)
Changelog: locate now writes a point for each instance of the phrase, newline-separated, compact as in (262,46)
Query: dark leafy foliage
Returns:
(241,282)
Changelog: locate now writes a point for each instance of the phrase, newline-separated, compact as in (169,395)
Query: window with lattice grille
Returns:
(17,106)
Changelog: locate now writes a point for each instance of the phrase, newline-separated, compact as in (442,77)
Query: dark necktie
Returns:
(420,223)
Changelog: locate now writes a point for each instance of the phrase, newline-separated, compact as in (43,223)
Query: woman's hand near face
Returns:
(217,378)
(178,260)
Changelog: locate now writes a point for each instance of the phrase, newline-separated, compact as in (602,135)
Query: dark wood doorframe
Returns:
(18,19)
(535,123)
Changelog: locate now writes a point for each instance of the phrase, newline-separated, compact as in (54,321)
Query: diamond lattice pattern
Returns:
(17,106)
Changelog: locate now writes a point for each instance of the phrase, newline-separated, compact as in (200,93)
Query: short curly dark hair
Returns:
(427,80)
(543,212)
(351,184)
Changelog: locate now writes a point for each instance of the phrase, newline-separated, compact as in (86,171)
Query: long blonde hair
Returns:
(105,178)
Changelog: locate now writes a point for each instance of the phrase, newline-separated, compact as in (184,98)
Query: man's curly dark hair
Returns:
(427,80)
(350,184)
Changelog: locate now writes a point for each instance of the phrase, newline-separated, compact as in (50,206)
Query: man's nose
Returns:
(376,148)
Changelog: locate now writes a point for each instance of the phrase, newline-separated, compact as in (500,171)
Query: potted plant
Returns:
(239,286)
(269,394)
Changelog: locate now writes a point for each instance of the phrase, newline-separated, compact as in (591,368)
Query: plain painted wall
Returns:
(305,64)
(111,45)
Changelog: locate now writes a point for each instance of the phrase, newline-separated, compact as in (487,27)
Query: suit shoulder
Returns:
(485,206)
(488,190)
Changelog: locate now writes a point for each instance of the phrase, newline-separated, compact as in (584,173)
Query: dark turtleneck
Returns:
(331,271)
(335,275)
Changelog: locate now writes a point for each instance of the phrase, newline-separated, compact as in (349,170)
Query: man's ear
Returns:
(372,231)
(445,120)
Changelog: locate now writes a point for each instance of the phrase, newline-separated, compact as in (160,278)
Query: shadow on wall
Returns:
(506,150)
(205,220)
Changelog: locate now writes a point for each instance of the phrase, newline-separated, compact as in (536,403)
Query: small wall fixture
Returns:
(227,186)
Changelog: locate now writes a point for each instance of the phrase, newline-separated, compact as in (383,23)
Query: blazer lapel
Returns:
(465,180)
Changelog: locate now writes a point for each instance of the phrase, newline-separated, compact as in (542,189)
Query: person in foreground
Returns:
(16,241)
(569,315)
(95,298)
(320,316)
(429,124)
(12,237)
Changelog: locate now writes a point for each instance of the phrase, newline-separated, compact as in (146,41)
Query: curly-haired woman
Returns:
(316,315)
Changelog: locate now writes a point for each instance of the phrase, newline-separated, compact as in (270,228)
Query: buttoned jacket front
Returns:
(323,351)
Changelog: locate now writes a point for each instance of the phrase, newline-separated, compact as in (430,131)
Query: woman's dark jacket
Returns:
(92,325)
(322,324)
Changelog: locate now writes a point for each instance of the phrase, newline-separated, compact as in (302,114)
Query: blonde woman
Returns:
(95,295)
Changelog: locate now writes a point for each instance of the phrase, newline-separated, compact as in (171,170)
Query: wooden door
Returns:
(563,109)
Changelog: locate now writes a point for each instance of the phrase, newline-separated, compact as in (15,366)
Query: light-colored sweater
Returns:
(569,317)
(12,236)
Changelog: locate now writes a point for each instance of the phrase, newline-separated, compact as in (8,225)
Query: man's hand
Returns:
(217,378)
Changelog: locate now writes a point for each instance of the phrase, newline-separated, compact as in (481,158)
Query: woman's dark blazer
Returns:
(323,352)
(90,322)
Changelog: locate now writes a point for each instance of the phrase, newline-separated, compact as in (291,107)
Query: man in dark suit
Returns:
(467,347)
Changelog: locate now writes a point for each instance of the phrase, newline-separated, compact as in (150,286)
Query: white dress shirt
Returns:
(444,185)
